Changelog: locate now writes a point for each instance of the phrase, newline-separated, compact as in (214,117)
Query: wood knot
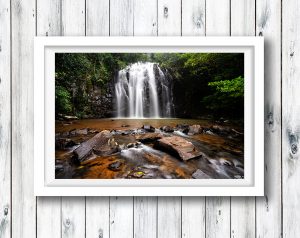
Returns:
(292,54)
(293,140)
(270,120)
(166,12)
(5,210)
(294,148)
(68,222)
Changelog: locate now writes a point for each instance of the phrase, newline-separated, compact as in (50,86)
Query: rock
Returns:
(184,128)
(148,137)
(178,146)
(115,166)
(62,143)
(221,130)
(148,128)
(106,146)
(199,174)
(86,148)
(70,118)
(167,129)
(195,129)
(76,132)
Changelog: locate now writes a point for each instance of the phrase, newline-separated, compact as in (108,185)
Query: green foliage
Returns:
(62,100)
(228,95)
(203,83)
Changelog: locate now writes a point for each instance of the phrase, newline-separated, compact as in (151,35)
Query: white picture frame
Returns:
(45,183)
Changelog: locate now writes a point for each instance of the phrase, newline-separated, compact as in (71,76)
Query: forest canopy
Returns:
(203,83)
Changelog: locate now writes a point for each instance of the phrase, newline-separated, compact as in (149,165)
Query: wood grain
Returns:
(5,121)
(121,217)
(23,201)
(97,217)
(290,117)
(169,217)
(21,216)
(97,18)
(242,24)
(193,17)
(121,17)
(169,17)
(268,208)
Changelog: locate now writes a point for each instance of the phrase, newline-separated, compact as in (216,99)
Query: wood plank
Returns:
(242,208)
(290,117)
(169,208)
(5,121)
(193,208)
(121,217)
(218,208)
(73,208)
(73,217)
(48,208)
(169,17)
(48,217)
(23,201)
(145,208)
(193,217)
(169,217)
(193,17)
(218,17)
(97,208)
(97,18)
(242,18)
(217,217)
(145,217)
(121,17)
(73,17)
(268,208)
(145,17)
(97,217)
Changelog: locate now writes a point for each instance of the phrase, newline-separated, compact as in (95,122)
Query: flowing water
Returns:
(224,156)
(143,90)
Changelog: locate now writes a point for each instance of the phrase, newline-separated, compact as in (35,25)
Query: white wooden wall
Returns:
(275,215)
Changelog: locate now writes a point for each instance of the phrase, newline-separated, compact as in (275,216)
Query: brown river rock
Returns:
(178,146)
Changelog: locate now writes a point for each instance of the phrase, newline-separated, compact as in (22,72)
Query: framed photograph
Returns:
(149,116)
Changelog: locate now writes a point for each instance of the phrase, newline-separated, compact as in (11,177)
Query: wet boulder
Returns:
(115,166)
(184,128)
(167,129)
(195,129)
(199,174)
(106,146)
(179,147)
(86,148)
(148,128)
(77,132)
(63,143)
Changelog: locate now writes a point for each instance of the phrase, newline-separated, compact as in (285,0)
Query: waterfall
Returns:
(143,90)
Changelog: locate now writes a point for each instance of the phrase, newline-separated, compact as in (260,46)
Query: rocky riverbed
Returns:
(149,149)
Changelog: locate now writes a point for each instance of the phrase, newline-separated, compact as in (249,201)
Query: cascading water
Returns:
(143,90)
